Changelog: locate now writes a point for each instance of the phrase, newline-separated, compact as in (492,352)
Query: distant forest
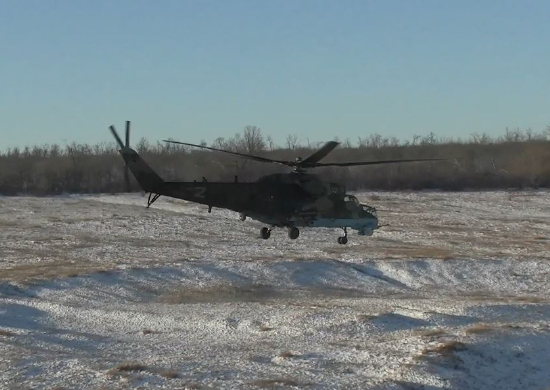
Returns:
(517,159)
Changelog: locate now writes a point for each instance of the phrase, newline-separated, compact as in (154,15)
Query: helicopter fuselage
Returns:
(283,200)
(279,200)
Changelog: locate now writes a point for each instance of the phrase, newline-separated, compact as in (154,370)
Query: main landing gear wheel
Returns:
(343,240)
(293,233)
(265,233)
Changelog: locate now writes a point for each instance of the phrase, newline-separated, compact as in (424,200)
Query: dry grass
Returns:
(127,367)
(222,293)
(191,386)
(48,270)
(276,383)
(482,328)
(150,331)
(287,355)
(504,298)
(6,333)
(399,251)
(433,333)
(446,349)
(486,328)
(169,374)
(365,317)
(420,252)
(9,223)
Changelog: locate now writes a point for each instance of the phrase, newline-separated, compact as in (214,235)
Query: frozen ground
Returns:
(98,292)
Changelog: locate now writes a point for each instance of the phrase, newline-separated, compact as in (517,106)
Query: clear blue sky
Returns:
(197,70)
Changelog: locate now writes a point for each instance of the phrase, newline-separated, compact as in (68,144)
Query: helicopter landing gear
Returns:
(152,198)
(265,233)
(293,233)
(343,240)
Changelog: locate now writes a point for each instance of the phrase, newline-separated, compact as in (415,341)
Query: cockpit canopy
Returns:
(351,198)
(369,209)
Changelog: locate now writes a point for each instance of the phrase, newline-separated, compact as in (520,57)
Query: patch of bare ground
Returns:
(278,383)
(419,253)
(448,227)
(447,349)
(6,333)
(481,328)
(150,331)
(365,317)
(265,328)
(192,386)
(126,367)
(33,272)
(433,333)
(169,374)
(488,328)
(287,355)
(10,223)
(506,298)
(394,252)
(222,293)
(291,255)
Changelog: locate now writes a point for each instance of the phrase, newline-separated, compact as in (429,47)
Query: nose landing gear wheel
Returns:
(293,233)
(265,233)
(343,240)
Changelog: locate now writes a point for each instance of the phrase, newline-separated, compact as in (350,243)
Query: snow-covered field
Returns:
(98,292)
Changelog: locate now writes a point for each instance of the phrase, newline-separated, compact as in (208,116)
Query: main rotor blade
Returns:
(117,138)
(248,156)
(321,153)
(353,164)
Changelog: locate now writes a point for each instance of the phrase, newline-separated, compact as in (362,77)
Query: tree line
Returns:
(517,159)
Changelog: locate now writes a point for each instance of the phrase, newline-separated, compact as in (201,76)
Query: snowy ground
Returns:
(98,292)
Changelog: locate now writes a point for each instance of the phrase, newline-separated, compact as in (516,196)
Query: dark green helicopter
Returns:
(291,200)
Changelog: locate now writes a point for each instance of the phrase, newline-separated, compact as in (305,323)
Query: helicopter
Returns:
(286,200)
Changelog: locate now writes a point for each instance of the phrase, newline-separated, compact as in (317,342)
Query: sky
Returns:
(198,70)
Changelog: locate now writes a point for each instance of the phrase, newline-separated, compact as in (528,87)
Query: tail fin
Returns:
(148,179)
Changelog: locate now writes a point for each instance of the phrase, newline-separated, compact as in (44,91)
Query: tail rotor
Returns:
(126,170)
(123,146)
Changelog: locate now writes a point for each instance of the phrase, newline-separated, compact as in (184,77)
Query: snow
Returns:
(452,294)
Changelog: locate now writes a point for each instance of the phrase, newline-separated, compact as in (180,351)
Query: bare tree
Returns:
(253,139)
(219,143)
(270,143)
(292,142)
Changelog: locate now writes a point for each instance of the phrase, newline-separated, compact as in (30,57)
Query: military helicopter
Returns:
(287,200)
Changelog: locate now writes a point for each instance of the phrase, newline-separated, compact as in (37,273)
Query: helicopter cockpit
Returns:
(353,200)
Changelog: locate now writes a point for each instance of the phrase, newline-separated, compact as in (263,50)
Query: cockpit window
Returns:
(370,210)
(351,198)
